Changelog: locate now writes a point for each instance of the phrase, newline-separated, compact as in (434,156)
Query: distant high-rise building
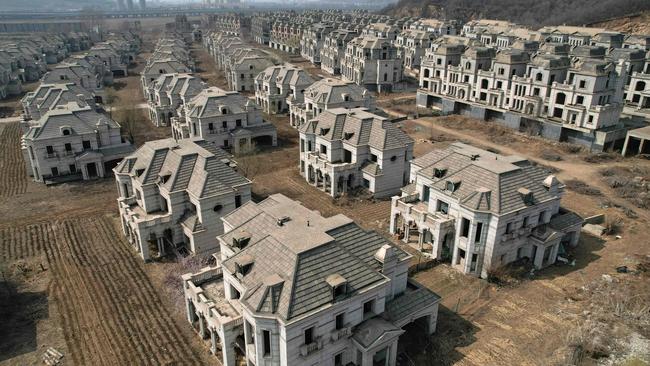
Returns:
(120,5)
(129,4)
(143,4)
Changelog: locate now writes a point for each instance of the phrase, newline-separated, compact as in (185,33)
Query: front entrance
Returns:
(91,168)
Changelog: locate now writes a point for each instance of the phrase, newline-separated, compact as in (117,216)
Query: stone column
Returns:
(227,347)
(190,310)
(202,330)
(333,183)
(213,341)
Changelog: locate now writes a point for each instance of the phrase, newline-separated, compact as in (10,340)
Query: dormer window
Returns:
(224,110)
(66,132)
(526,195)
(244,264)
(338,284)
(348,135)
(241,239)
(138,172)
(439,172)
(452,185)
(324,131)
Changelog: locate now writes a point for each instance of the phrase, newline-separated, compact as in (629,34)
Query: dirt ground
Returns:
(69,280)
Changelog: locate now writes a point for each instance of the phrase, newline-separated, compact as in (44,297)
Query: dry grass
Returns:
(631,183)
(581,187)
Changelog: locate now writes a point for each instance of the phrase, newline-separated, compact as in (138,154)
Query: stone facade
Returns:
(278,86)
(343,149)
(372,63)
(284,292)
(481,210)
(172,194)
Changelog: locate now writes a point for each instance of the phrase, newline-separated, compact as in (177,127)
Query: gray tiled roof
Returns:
(81,120)
(195,166)
(486,181)
(408,303)
(301,253)
(357,127)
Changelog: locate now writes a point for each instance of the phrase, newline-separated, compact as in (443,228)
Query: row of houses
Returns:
(67,135)
(24,58)
(240,62)
(181,100)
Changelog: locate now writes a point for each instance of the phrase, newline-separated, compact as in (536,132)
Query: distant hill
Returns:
(534,13)
(636,24)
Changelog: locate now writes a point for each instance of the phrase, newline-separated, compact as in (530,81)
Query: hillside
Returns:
(635,24)
(527,12)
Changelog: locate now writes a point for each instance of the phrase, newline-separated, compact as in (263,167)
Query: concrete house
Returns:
(155,68)
(343,149)
(73,142)
(76,74)
(372,63)
(172,195)
(278,86)
(168,93)
(481,210)
(333,49)
(313,38)
(245,69)
(226,119)
(411,46)
(292,287)
(327,94)
(575,99)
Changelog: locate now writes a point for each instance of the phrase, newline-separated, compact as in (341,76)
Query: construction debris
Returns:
(52,357)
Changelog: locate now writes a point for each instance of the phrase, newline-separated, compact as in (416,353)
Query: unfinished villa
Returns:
(173,193)
(226,119)
(327,94)
(279,86)
(72,142)
(170,92)
(292,287)
(481,210)
(343,149)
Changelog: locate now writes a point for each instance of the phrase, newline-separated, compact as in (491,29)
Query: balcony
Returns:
(413,209)
(321,162)
(308,349)
(52,155)
(342,333)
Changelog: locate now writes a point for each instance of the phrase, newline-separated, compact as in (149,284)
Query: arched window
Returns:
(484,84)
(468,65)
(560,98)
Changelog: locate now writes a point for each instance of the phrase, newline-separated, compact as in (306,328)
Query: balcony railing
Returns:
(307,349)
(341,333)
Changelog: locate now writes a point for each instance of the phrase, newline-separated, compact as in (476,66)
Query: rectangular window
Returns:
(49,149)
(443,207)
(238,123)
(340,321)
(477,235)
(323,149)
(55,171)
(302,145)
(210,126)
(309,335)
(267,343)
(368,307)
(338,359)
(224,124)
(541,218)
(347,156)
(582,84)
(373,158)
(525,223)
(237,201)
(464,228)
(509,228)
(86,144)
(68,147)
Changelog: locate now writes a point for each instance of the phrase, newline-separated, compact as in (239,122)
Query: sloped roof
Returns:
(330,91)
(357,127)
(292,261)
(484,181)
(195,166)
(80,120)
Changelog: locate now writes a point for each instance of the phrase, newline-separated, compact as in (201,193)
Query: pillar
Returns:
(333,183)
(391,360)
(213,340)
(407,231)
(202,330)
(627,140)
(228,348)
(537,261)
(189,306)
(393,222)
(641,145)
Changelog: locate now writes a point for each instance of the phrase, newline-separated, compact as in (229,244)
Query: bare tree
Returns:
(248,162)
